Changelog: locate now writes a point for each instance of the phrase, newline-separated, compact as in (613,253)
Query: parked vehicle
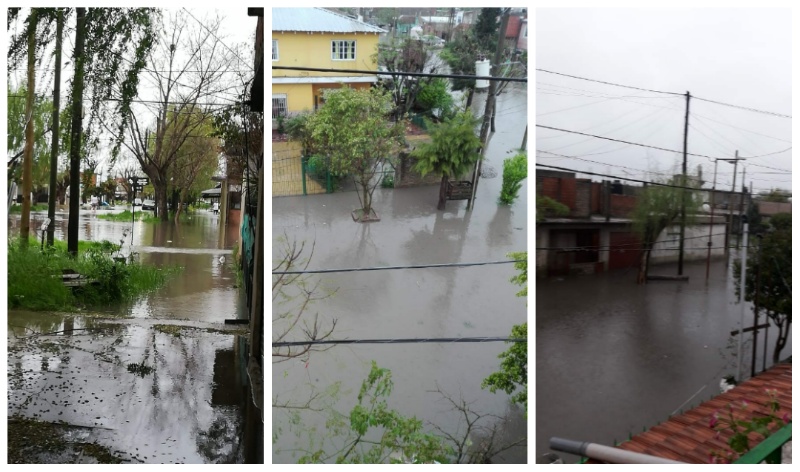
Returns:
(137,202)
(148,205)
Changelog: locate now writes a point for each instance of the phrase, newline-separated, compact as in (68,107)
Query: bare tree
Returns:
(187,67)
(126,170)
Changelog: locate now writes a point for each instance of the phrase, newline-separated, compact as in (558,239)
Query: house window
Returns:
(279,105)
(274,49)
(343,50)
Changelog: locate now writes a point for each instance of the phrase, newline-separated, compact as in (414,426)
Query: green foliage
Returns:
(546,207)
(759,424)
(658,206)
(520,279)
(42,118)
(435,95)
(453,149)
(352,129)
(298,130)
(485,29)
(769,276)
(397,433)
(515,170)
(37,207)
(34,277)
(513,374)
(387,181)
(460,54)
(776,195)
(124,216)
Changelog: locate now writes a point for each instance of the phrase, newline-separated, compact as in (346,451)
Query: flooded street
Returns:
(613,357)
(158,380)
(419,303)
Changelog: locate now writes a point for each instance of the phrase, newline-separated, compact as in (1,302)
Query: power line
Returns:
(666,93)
(409,74)
(607,83)
(215,36)
(312,342)
(743,108)
(363,269)
(621,141)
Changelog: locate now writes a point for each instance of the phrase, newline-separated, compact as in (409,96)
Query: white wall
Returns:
(695,243)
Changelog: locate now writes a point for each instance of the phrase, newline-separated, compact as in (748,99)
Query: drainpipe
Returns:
(608,454)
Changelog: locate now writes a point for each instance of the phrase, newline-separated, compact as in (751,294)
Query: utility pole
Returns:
(524,139)
(711,222)
(27,160)
(741,201)
(729,229)
(489,109)
(743,282)
(51,200)
(683,184)
(75,134)
(755,309)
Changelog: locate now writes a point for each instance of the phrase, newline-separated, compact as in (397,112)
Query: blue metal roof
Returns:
(318,20)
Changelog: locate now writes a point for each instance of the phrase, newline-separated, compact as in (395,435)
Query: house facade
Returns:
(597,234)
(318,38)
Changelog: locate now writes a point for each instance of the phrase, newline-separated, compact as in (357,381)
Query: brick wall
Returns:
(596,206)
(622,205)
(583,196)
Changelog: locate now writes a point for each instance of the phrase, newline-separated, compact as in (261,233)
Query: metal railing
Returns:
(770,450)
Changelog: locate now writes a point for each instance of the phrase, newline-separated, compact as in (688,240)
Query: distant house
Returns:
(522,40)
(597,233)
(318,38)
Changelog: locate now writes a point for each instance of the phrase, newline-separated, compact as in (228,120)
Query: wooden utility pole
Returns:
(75,134)
(684,184)
(741,202)
(489,109)
(27,160)
(51,200)
(729,228)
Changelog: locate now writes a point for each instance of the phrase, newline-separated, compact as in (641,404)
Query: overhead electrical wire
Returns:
(408,74)
(485,339)
(364,269)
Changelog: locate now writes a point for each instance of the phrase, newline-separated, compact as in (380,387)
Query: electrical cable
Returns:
(363,269)
(408,74)
(312,342)
(626,142)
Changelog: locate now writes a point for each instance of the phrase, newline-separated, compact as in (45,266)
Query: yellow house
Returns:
(318,38)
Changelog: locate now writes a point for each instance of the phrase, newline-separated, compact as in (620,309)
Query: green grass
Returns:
(124,216)
(34,280)
(38,207)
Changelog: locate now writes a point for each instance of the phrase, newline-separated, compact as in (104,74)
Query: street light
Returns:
(713,193)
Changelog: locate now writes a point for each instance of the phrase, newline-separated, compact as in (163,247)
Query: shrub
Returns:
(515,170)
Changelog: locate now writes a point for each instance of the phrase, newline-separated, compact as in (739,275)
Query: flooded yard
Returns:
(159,380)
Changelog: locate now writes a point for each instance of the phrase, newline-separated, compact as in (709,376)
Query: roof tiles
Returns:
(318,20)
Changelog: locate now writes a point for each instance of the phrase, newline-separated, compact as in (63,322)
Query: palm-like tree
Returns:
(453,150)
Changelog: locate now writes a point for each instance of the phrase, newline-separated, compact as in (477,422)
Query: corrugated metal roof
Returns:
(688,437)
(318,20)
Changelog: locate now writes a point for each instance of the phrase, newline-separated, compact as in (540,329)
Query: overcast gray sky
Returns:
(737,56)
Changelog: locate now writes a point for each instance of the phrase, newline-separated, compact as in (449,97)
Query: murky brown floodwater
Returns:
(194,406)
(442,302)
(613,357)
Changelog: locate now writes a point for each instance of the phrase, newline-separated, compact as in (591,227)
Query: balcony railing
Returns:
(769,450)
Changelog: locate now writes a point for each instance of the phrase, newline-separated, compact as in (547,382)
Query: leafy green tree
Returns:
(405,55)
(452,151)
(460,55)
(42,116)
(485,29)
(769,277)
(546,207)
(354,131)
(435,95)
(777,195)
(515,170)
(658,207)
(513,374)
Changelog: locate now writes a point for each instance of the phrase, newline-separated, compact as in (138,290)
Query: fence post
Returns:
(303,161)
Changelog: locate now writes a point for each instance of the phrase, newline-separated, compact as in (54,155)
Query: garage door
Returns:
(625,250)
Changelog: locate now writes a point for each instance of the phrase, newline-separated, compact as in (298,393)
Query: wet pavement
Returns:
(158,380)
(441,302)
(613,357)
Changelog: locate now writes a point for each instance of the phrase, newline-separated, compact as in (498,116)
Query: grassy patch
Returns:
(37,207)
(173,330)
(31,441)
(123,217)
(34,277)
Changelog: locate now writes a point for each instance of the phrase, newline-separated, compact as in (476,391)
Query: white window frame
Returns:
(275,55)
(336,49)
(285,98)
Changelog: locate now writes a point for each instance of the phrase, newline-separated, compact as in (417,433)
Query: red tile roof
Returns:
(689,437)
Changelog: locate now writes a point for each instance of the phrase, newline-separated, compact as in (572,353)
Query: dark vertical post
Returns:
(729,228)
(75,134)
(27,160)
(755,309)
(711,222)
(51,198)
(741,203)
(683,191)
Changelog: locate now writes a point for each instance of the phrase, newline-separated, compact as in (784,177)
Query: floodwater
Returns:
(419,303)
(613,357)
(190,403)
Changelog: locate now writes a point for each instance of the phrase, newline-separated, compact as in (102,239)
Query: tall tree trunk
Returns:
(51,200)
(442,193)
(27,162)
(160,188)
(75,135)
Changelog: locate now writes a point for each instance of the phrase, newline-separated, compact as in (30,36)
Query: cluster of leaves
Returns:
(760,424)
(399,435)
(769,276)
(434,95)
(547,207)
(463,50)
(515,170)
